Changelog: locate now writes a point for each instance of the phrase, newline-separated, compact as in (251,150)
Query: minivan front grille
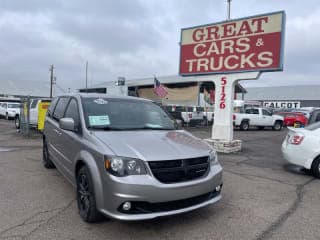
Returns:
(174,171)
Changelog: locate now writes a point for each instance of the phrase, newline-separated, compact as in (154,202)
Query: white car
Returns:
(10,110)
(258,117)
(302,147)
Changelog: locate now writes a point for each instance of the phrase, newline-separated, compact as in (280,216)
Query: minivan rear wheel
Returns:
(47,163)
(86,198)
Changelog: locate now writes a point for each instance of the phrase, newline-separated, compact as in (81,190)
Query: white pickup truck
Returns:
(258,117)
(9,110)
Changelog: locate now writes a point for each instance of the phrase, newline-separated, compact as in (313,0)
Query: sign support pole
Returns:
(222,129)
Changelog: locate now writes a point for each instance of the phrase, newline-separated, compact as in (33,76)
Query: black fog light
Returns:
(218,188)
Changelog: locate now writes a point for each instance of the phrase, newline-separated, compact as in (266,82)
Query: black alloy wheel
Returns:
(85,197)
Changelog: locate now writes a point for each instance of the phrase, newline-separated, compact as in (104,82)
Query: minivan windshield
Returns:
(123,114)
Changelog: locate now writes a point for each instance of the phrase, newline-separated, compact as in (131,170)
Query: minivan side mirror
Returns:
(67,124)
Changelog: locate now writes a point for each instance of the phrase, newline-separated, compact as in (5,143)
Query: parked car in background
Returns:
(302,147)
(10,110)
(126,159)
(306,111)
(314,116)
(296,119)
(189,115)
(33,112)
(257,117)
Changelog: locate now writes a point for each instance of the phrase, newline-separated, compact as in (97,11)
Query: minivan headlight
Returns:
(213,158)
(122,166)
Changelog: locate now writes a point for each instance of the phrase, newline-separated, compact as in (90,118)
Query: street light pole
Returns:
(229,9)
(86,76)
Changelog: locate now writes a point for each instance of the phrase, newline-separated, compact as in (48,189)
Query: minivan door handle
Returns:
(57,132)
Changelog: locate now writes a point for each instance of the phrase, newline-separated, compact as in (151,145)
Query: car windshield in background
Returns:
(313,126)
(119,114)
(13,105)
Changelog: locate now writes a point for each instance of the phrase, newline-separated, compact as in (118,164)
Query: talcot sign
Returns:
(242,45)
(282,104)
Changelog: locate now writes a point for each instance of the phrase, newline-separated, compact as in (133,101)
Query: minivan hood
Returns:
(153,145)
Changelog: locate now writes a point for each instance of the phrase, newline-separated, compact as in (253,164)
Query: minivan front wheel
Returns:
(85,197)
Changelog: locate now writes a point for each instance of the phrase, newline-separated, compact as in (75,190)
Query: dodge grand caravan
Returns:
(126,158)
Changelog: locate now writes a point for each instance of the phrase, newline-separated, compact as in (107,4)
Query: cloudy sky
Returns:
(136,38)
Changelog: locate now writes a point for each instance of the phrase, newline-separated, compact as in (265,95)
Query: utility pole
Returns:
(229,9)
(51,79)
(86,76)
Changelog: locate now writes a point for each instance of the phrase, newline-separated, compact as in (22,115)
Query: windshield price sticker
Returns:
(99,120)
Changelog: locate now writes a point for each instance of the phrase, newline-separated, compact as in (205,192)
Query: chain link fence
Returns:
(32,114)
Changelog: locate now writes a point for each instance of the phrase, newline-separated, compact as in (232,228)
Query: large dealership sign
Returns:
(241,45)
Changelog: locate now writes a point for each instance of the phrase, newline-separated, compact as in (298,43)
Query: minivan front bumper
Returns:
(150,198)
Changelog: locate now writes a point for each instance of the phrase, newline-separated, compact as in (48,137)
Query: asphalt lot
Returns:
(263,198)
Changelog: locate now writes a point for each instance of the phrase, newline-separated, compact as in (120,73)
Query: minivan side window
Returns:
(60,108)
(73,112)
(52,106)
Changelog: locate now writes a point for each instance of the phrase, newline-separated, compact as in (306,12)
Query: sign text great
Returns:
(251,44)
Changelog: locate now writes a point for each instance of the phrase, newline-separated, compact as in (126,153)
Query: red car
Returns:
(293,118)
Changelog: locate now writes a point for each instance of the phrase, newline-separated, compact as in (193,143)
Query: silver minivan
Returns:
(127,159)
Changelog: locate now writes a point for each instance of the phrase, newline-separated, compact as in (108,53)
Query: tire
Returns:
(86,198)
(47,163)
(277,126)
(17,122)
(315,167)
(244,126)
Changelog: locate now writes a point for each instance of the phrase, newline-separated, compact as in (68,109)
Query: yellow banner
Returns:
(42,111)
